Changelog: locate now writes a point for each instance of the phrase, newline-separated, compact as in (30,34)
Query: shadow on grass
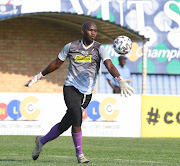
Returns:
(10,160)
(18,160)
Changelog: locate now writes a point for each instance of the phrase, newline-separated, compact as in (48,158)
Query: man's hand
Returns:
(124,87)
(33,80)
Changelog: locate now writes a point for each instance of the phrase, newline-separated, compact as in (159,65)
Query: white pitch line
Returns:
(157,162)
(136,161)
(60,156)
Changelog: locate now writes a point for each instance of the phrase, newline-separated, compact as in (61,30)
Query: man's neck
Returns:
(122,66)
(87,42)
(86,46)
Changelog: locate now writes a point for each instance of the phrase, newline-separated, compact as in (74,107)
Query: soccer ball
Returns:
(122,45)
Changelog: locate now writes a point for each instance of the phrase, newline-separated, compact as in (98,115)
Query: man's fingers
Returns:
(125,93)
(33,80)
(129,92)
(129,87)
(121,92)
(128,80)
(28,84)
(126,89)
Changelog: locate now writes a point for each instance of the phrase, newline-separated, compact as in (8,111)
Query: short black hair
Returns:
(85,25)
(122,57)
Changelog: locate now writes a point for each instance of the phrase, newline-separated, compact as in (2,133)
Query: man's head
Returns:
(89,31)
(122,60)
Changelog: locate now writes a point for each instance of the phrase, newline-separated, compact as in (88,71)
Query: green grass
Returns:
(17,150)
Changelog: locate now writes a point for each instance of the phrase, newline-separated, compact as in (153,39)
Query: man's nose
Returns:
(93,32)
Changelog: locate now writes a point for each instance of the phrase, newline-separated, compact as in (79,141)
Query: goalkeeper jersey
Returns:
(84,64)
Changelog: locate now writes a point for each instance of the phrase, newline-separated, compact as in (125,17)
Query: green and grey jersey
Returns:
(84,64)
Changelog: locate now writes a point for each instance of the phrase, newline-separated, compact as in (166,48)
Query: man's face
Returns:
(90,32)
(122,62)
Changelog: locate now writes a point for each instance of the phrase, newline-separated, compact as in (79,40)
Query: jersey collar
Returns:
(87,46)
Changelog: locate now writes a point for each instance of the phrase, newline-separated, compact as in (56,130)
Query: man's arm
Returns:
(124,87)
(111,68)
(54,65)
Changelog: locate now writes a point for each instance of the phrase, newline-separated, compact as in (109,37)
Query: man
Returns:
(123,71)
(84,61)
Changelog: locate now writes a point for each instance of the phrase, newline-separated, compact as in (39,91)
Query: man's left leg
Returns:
(55,131)
(77,139)
(74,100)
(77,135)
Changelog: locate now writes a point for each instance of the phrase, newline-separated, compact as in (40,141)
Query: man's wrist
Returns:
(39,76)
(119,78)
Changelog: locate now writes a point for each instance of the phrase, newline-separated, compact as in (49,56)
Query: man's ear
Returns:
(82,32)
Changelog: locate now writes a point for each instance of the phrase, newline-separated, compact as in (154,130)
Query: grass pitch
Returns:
(17,150)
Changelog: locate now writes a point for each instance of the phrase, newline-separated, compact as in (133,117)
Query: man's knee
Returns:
(62,127)
(76,115)
(65,123)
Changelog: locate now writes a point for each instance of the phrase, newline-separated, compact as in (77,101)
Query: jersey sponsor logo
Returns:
(85,58)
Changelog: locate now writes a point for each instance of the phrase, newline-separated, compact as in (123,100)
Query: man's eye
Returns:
(93,30)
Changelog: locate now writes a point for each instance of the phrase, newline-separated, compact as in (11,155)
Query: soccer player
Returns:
(84,62)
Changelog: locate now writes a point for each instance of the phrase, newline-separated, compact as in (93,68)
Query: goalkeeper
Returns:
(84,62)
